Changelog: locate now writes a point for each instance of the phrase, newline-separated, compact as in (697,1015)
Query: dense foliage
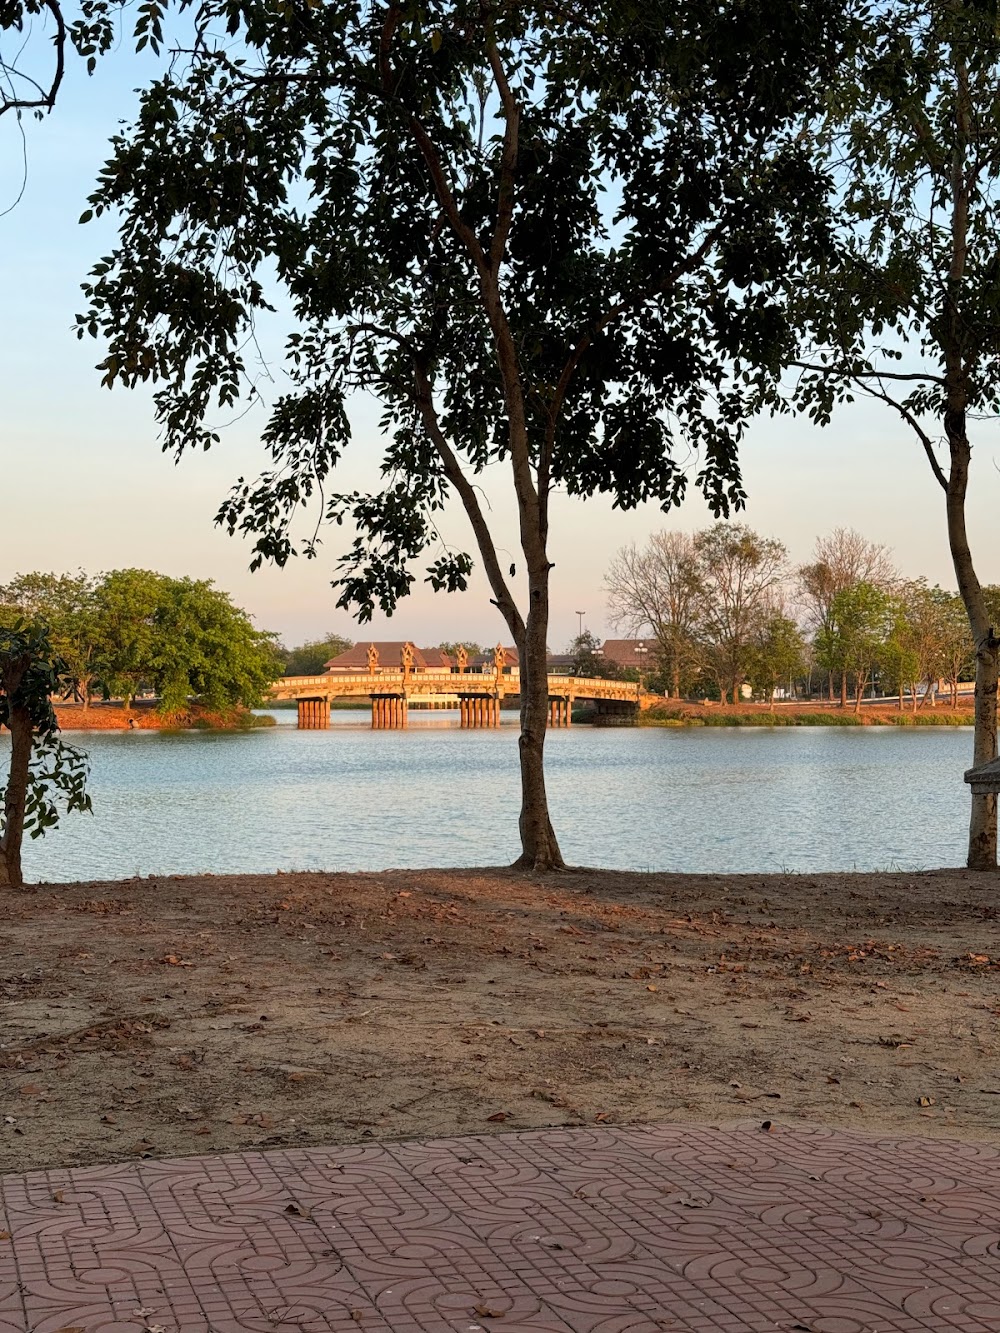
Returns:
(726,610)
(132,630)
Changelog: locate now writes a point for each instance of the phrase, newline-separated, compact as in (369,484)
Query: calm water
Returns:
(690,800)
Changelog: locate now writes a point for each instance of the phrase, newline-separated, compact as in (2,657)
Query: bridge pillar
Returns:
(389,712)
(314,714)
(559,711)
(478,710)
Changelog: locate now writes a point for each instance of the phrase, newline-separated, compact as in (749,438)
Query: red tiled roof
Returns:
(623,652)
(389,656)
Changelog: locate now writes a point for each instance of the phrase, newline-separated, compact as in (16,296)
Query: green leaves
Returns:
(572,236)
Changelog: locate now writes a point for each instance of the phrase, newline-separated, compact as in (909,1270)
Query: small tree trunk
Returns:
(983,820)
(675,684)
(843,689)
(15,798)
(858,691)
(539,848)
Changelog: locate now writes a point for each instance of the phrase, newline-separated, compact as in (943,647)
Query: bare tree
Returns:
(741,574)
(840,561)
(659,588)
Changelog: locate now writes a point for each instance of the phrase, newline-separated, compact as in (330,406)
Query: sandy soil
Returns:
(171,1016)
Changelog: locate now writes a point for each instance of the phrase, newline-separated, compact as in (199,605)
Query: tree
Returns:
(472,649)
(777,654)
(428,189)
(44,772)
(839,561)
(588,660)
(128,602)
(740,574)
(908,312)
(66,605)
(309,658)
(958,652)
(205,649)
(659,589)
(861,623)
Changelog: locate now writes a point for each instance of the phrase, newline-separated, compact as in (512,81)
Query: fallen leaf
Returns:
(487,1312)
(58,1196)
(603,1116)
(766,1126)
(925,1101)
(652,988)
(297,1210)
(29,1090)
(172,960)
(109,1119)
(499,1115)
(4,1235)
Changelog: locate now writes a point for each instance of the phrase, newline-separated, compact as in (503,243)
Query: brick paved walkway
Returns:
(603,1231)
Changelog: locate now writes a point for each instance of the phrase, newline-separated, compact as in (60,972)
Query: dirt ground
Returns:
(173,1016)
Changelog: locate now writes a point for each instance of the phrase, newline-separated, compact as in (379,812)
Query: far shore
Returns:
(174,1015)
(143,716)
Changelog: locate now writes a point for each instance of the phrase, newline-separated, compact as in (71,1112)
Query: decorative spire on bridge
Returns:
(406,659)
(499,659)
(372,659)
(461,657)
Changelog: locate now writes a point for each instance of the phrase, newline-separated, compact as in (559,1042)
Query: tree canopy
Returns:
(548,239)
(133,629)
(905,306)
(309,658)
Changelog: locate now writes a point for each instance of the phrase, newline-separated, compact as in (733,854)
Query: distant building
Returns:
(389,657)
(639,654)
(562,664)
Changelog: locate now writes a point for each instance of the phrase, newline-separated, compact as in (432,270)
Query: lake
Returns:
(699,799)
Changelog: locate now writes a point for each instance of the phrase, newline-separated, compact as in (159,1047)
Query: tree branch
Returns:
(912,421)
(859,375)
(467,493)
(45,100)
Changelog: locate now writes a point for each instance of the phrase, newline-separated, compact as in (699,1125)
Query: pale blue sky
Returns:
(84,484)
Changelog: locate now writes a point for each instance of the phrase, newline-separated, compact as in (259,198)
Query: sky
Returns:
(85,485)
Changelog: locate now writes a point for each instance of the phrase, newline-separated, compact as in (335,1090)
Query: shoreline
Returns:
(141,717)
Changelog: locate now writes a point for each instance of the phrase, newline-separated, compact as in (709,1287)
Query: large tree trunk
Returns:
(843,689)
(539,848)
(983,819)
(15,798)
(675,684)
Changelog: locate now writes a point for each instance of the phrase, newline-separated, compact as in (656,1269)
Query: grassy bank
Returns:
(760,716)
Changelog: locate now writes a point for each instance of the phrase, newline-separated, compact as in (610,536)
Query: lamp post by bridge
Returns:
(640,651)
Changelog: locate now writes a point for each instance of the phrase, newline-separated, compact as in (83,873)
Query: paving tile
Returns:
(685,1228)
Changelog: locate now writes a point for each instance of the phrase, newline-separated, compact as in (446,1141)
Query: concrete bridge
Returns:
(477,695)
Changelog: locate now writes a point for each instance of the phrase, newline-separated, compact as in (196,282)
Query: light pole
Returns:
(581,614)
(640,651)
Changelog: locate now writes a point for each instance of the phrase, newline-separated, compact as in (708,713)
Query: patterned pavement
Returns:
(553,1231)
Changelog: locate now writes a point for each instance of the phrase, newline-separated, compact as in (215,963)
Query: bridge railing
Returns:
(337,684)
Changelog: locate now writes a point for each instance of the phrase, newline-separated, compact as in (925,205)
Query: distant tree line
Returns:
(132,630)
(727,609)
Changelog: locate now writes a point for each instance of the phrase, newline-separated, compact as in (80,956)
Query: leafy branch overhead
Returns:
(433,187)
